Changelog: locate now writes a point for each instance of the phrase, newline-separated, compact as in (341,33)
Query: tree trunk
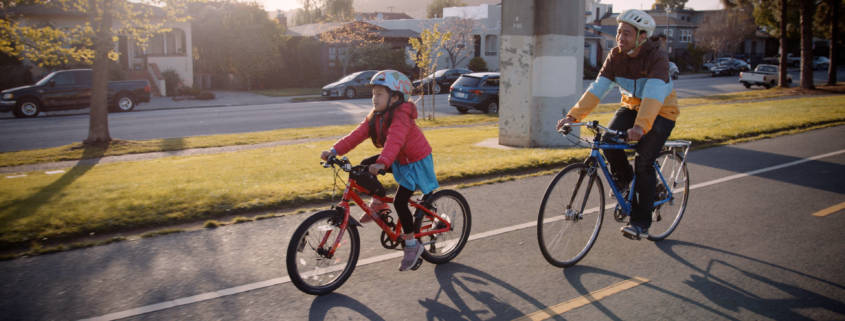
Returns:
(98,129)
(835,5)
(782,69)
(807,8)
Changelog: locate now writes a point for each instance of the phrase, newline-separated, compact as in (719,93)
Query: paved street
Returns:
(235,112)
(748,248)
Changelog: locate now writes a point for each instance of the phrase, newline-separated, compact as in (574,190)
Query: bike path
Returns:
(748,248)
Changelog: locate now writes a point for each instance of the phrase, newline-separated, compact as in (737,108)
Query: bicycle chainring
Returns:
(386,242)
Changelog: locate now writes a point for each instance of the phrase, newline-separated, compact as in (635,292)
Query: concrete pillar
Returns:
(542,57)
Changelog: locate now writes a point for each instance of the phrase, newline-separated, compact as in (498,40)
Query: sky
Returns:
(618,5)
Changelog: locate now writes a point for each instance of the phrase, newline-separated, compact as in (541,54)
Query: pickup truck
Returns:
(763,75)
(70,89)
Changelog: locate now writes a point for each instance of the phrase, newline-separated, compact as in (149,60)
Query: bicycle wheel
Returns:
(309,266)
(451,206)
(666,216)
(570,215)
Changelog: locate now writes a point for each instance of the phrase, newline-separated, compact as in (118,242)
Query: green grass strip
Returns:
(161,192)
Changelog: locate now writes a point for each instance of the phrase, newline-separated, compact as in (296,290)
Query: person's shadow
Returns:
(718,282)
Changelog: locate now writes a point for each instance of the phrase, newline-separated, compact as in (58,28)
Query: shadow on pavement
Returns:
(321,306)
(737,282)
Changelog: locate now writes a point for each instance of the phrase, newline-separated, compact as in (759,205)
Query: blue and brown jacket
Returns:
(643,81)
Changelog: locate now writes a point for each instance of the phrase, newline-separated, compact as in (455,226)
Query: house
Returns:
(165,51)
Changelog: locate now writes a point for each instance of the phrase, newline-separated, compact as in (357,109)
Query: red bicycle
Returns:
(324,249)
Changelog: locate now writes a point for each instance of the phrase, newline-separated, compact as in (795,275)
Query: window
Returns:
(491,82)
(167,44)
(669,33)
(490,45)
(686,35)
(64,78)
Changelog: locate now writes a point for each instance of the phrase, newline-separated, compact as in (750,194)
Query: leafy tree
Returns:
(314,11)
(435,8)
(426,51)
(91,42)
(236,38)
(779,19)
(672,4)
(349,39)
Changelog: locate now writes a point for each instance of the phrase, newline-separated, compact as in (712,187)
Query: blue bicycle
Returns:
(573,207)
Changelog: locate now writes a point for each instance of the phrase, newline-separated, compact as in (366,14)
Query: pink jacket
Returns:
(405,141)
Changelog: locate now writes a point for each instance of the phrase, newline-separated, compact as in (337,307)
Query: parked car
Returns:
(764,75)
(478,90)
(350,86)
(71,89)
(729,67)
(443,79)
(821,63)
(673,70)
(714,62)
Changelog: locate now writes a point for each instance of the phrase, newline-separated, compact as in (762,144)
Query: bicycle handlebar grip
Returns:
(565,129)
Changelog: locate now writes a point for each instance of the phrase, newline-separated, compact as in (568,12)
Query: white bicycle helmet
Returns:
(394,81)
(640,20)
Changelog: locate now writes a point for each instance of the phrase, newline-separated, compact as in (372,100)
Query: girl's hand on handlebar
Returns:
(326,154)
(376,169)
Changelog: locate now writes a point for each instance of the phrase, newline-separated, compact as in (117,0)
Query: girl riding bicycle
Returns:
(406,152)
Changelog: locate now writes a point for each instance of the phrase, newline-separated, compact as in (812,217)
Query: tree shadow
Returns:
(24,208)
(741,160)
(323,304)
(733,296)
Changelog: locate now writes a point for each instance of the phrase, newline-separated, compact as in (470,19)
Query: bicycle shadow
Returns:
(770,291)
(457,281)
(577,273)
(321,306)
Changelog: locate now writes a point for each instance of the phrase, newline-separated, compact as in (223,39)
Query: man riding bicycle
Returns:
(640,67)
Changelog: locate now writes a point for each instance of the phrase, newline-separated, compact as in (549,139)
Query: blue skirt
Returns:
(418,175)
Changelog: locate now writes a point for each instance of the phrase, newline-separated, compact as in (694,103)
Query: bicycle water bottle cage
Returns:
(367,181)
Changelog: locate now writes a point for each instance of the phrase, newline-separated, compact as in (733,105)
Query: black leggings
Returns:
(400,200)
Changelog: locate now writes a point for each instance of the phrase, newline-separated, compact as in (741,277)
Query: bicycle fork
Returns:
(570,214)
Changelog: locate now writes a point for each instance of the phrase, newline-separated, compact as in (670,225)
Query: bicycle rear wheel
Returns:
(310,267)
(666,216)
(451,206)
(570,215)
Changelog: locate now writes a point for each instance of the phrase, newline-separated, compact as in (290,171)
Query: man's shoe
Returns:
(412,259)
(634,232)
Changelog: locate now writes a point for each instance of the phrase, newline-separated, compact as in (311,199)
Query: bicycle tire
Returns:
(678,177)
(564,235)
(303,253)
(445,246)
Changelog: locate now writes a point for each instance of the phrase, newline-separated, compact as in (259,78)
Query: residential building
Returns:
(166,51)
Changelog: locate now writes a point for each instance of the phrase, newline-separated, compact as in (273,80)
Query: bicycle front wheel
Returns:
(312,269)
(452,207)
(673,200)
(570,215)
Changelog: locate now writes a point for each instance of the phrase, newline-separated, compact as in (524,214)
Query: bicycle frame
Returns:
(351,193)
(599,159)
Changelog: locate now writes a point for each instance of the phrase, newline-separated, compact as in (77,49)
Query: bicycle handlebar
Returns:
(343,163)
(595,126)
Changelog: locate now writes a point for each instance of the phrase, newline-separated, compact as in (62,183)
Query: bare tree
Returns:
(834,7)
(458,46)
(713,35)
(349,38)
(807,8)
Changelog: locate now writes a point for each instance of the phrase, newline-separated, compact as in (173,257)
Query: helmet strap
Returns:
(637,43)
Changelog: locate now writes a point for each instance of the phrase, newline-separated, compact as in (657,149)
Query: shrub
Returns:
(477,64)
(171,82)
(205,95)
(590,72)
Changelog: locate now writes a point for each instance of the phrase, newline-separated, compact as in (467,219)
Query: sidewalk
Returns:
(221,99)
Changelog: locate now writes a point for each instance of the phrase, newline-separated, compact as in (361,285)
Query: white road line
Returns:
(263,284)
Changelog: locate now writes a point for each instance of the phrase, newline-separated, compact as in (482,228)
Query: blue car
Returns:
(478,90)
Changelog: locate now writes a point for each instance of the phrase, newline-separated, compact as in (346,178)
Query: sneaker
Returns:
(634,232)
(412,259)
(376,206)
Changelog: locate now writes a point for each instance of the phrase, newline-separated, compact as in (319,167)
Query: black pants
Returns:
(400,200)
(647,149)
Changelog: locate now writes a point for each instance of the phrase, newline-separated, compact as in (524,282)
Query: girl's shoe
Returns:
(412,259)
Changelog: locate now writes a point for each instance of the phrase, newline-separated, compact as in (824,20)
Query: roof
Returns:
(315,29)
(384,16)
(399,33)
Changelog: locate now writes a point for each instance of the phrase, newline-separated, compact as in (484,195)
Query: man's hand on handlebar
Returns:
(565,121)
(635,133)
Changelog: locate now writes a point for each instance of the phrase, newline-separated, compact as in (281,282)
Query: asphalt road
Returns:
(52,131)
(748,248)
